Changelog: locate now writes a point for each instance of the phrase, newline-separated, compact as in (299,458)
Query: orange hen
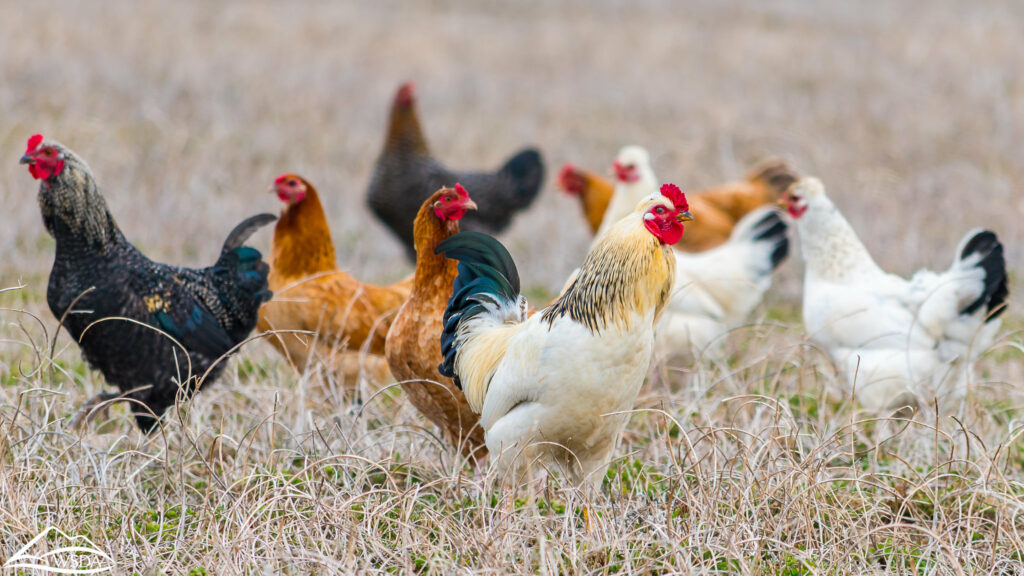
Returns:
(717,209)
(312,295)
(413,343)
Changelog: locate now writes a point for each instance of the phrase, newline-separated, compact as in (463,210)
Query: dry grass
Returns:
(912,113)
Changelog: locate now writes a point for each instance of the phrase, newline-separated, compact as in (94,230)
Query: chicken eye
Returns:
(293,183)
(447,198)
(660,210)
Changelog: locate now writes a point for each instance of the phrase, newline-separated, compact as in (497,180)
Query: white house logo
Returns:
(77,556)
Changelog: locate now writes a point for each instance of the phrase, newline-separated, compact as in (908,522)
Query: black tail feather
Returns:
(486,273)
(993,297)
(477,248)
(773,227)
(240,272)
(245,229)
(526,170)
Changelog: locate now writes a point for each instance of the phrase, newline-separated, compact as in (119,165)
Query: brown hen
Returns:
(312,295)
(413,343)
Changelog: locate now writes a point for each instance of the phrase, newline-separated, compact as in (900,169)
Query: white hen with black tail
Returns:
(895,339)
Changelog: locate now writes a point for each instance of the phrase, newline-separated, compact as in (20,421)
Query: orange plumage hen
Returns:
(719,208)
(414,342)
(312,295)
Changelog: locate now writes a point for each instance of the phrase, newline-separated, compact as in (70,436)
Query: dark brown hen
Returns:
(406,174)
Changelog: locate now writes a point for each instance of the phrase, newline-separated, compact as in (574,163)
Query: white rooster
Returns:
(899,340)
(553,386)
(716,290)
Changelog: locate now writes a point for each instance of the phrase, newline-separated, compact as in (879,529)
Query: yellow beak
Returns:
(684,217)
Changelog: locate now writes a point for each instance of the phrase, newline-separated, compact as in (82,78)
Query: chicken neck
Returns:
(404,132)
(831,248)
(74,211)
(432,270)
(626,275)
(302,244)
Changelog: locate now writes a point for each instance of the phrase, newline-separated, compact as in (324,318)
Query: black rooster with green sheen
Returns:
(152,329)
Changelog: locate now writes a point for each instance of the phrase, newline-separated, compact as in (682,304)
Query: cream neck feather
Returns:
(626,275)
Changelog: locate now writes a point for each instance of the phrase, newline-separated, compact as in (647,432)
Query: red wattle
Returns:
(668,231)
(454,214)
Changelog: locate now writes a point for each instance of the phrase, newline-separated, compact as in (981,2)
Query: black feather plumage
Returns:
(99,280)
(772,228)
(406,174)
(987,245)
(487,273)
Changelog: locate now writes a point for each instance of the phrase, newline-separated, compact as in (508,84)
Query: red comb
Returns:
(570,180)
(567,172)
(34,143)
(461,191)
(676,196)
(406,94)
(282,178)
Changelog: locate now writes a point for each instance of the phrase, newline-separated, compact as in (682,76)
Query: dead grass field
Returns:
(911,112)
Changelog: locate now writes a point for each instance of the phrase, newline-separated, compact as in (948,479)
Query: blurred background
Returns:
(911,112)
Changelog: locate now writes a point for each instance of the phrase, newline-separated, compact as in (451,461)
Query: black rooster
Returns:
(123,309)
(406,174)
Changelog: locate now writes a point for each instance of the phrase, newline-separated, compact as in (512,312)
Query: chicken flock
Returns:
(667,277)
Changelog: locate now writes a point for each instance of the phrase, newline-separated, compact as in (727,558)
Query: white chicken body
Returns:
(534,407)
(893,339)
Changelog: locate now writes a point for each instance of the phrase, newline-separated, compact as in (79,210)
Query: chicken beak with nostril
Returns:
(684,217)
